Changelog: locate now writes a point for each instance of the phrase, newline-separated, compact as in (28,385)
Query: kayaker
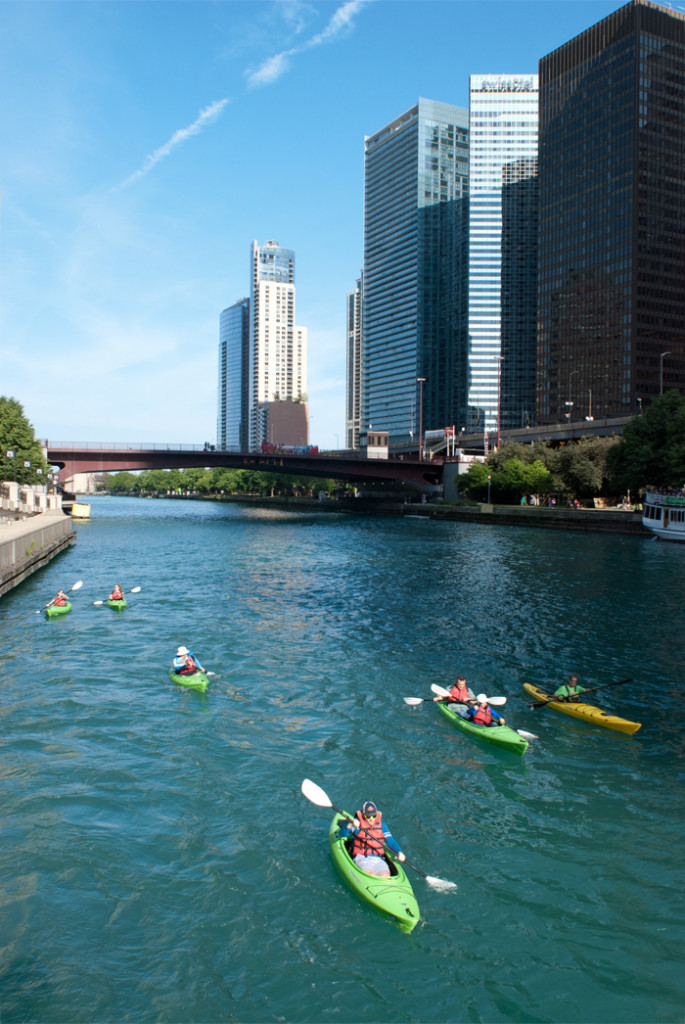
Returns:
(117,594)
(571,690)
(185,663)
(459,693)
(482,714)
(371,837)
(60,601)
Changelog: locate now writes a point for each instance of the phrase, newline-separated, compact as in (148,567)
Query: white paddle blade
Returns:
(439,690)
(527,735)
(413,700)
(440,883)
(98,602)
(497,702)
(136,590)
(77,586)
(315,793)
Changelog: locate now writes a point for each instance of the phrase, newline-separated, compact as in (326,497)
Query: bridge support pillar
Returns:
(450,480)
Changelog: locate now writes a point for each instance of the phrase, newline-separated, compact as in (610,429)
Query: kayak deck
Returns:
(56,609)
(393,897)
(196,681)
(588,712)
(119,605)
(499,735)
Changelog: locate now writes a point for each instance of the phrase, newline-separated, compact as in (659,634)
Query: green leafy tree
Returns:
(17,436)
(121,483)
(651,451)
(581,467)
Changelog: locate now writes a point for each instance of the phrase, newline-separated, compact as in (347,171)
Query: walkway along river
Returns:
(159,861)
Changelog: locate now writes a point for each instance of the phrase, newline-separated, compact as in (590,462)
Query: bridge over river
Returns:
(111,458)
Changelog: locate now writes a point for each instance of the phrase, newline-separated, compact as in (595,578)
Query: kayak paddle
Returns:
(564,699)
(135,590)
(76,586)
(317,796)
(496,702)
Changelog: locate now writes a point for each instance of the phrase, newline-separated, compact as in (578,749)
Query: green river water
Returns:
(159,862)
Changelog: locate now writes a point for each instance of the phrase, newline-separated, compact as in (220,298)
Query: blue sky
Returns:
(144,145)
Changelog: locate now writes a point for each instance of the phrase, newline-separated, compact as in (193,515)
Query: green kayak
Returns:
(119,605)
(196,681)
(499,735)
(58,609)
(393,896)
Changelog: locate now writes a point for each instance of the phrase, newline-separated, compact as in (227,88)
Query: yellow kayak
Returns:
(588,712)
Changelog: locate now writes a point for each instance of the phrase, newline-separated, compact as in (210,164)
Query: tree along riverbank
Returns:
(585,519)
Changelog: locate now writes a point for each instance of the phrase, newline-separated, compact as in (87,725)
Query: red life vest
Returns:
(460,693)
(482,717)
(60,602)
(369,842)
(189,668)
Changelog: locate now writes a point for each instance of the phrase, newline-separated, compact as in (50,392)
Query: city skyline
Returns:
(130,184)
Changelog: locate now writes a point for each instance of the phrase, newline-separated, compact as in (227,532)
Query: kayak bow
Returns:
(196,681)
(499,735)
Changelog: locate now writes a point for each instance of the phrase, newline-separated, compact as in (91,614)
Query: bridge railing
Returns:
(132,446)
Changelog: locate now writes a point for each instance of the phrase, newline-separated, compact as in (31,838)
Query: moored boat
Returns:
(664,514)
(57,609)
(393,897)
(588,712)
(119,605)
(196,681)
(499,735)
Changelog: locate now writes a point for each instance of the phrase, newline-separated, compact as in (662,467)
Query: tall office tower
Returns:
(233,391)
(354,365)
(415,272)
(502,249)
(611,293)
(278,351)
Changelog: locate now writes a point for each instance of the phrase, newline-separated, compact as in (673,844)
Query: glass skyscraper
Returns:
(354,366)
(232,404)
(611,285)
(502,250)
(415,272)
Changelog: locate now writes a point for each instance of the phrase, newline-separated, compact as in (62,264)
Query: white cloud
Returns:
(273,67)
(206,116)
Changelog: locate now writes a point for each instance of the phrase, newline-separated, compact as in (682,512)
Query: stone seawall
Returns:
(29,544)
(585,519)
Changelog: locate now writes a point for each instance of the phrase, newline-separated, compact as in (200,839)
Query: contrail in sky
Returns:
(206,116)
(273,67)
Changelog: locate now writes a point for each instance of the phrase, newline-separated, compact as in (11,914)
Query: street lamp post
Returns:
(661,371)
(421,382)
(489,479)
(568,402)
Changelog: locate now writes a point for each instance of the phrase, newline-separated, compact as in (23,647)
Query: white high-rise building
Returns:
(503,123)
(278,348)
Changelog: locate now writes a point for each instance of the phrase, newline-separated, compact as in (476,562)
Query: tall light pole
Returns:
(421,382)
(661,371)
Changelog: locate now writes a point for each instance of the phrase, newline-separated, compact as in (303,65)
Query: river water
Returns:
(159,862)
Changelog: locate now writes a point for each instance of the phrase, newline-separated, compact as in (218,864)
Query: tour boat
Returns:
(664,514)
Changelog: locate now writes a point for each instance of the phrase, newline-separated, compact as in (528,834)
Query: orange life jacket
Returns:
(482,717)
(369,842)
(460,693)
(60,602)
(189,668)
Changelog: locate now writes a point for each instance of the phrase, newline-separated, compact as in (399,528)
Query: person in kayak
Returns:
(460,694)
(117,594)
(571,691)
(185,663)
(60,601)
(371,838)
(482,714)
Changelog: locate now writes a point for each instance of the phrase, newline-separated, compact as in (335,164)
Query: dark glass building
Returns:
(415,321)
(611,263)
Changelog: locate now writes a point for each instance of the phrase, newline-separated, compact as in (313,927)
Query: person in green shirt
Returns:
(571,690)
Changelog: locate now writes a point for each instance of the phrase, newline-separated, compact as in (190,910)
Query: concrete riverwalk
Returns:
(27,545)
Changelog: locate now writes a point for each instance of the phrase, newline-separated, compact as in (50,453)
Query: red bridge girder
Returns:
(93,458)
